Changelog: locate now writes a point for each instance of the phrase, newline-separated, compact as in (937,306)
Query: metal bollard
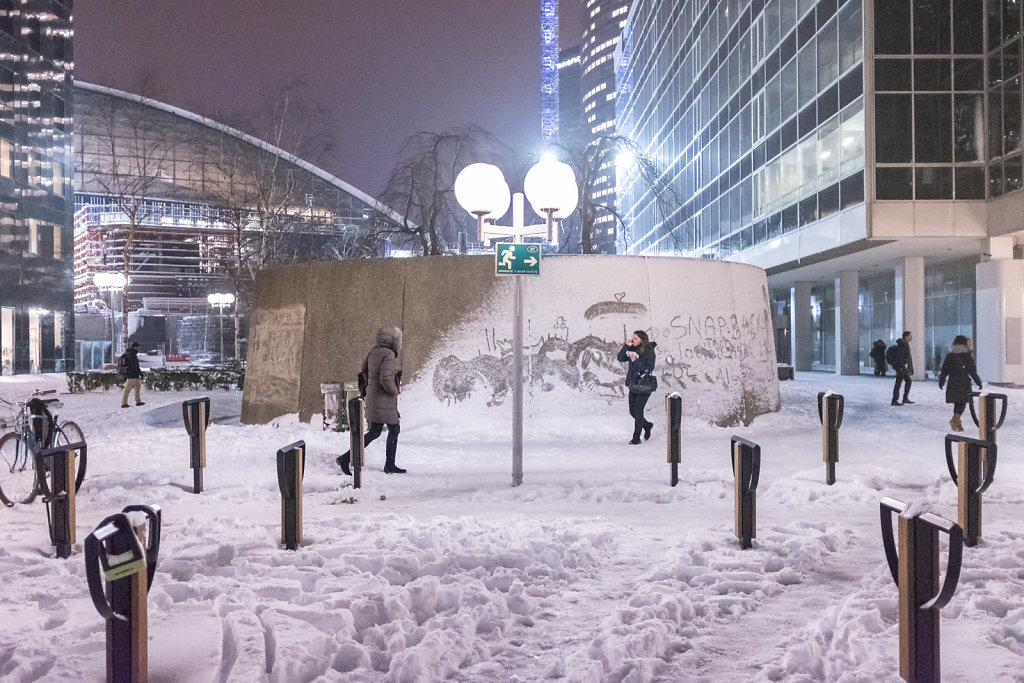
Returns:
(985,416)
(357,426)
(746,468)
(196,413)
(830,414)
(126,546)
(674,408)
(976,464)
(57,471)
(914,565)
(291,467)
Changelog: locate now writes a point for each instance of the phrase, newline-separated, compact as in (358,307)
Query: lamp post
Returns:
(481,190)
(220,301)
(111,282)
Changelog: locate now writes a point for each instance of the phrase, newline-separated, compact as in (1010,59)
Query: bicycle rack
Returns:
(985,416)
(128,564)
(830,414)
(357,425)
(914,565)
(291,466)
(55,476)
(746,468)
(196,413)
(976,464)
(674,410)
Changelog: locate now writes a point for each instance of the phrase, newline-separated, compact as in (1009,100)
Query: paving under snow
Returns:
(593,570)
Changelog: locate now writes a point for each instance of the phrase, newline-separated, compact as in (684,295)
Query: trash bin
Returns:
(350,391)
(332,398)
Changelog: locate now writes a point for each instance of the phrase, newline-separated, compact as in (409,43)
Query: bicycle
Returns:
(35,428)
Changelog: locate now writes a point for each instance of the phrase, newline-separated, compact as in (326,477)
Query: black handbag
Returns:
(644,383)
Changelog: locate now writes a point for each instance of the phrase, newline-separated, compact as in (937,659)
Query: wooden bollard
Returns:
(985,415)
(357,426)
(196,413)
(746,468)
(914,565)
(57,470)
(291,466)
(972,474)
(127,554)
(674,410)
(830,414)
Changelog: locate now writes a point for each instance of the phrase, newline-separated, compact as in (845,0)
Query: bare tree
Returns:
(133,154)
(592,163)
(420,188)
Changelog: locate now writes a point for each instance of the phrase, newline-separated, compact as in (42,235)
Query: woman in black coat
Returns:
(958,367)
(638,351)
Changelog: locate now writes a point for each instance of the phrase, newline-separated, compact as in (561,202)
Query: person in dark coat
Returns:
(903,363)
(958,367)
(133,378)
(878,355)
(383,378)
(638,351)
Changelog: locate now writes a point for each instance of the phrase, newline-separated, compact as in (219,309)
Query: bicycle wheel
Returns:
(68,432)
(17,469)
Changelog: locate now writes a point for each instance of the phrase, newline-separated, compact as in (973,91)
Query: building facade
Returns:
(603,21)
(866,153)
(36,202)
(570,98)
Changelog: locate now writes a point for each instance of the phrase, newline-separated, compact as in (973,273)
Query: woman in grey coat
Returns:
(382,387)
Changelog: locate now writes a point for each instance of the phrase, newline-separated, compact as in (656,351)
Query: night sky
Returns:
(385,68)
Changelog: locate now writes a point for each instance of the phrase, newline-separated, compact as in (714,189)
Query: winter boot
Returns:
(389,462)
(956,424)
(647,430)
(342,461)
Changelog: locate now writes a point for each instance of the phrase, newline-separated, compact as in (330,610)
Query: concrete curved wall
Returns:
(314,323)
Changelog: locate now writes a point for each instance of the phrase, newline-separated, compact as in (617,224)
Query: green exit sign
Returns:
(511,258)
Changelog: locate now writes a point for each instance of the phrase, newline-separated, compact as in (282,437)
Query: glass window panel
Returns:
(789,216)
(851,190)
(931,27)
(969,74)
(995,71)
(851,86)
(934,182)
(892,27)
(808,210)
(851,46)
(828,55)
(892,74)
(894,183)
(932,74)
(1011,19)
(788,15)
(1011,60)
(829,151)
(1011,115)
(933,129)
(968,27)
(773,102)
(852,141)
(970,182)
(995,180)
(968,127)
(828,201)
(995,124)
(893,126)
(789,90)
(1012,174)
(808,150)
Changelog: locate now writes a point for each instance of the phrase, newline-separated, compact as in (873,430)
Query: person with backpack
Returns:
(898,356)
(878,356)
(383,378)
(959,368)
(128,368)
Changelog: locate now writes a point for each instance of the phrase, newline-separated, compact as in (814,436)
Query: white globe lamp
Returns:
(481,190)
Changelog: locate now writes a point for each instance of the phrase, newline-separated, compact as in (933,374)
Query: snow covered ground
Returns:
(593,570)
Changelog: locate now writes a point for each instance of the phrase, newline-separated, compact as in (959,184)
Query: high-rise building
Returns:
(36,200)
(549,100)
(603,21)
(866,153)
(570,100)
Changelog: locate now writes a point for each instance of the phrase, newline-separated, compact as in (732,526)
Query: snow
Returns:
(593,570)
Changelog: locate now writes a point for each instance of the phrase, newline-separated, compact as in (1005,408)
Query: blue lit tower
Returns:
(548,70)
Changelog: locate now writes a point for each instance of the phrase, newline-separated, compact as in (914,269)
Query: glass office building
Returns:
(36,200)
(866,153)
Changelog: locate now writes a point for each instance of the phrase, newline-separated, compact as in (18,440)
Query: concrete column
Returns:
(910,308)
(999,302)
(802,326)
(848,323)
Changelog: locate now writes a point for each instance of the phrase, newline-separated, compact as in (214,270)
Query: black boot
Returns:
(647,430)
(389,460)
(342,461)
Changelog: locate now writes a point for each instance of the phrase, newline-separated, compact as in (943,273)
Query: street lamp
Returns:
(482,191)
(220,301)
(112,282)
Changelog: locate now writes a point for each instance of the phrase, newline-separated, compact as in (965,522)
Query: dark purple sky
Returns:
(385,68)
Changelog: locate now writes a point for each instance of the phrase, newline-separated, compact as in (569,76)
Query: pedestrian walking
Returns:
(638,351)
(878,355)
(383,379)
(132,375)
(898,356)
(959,369)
